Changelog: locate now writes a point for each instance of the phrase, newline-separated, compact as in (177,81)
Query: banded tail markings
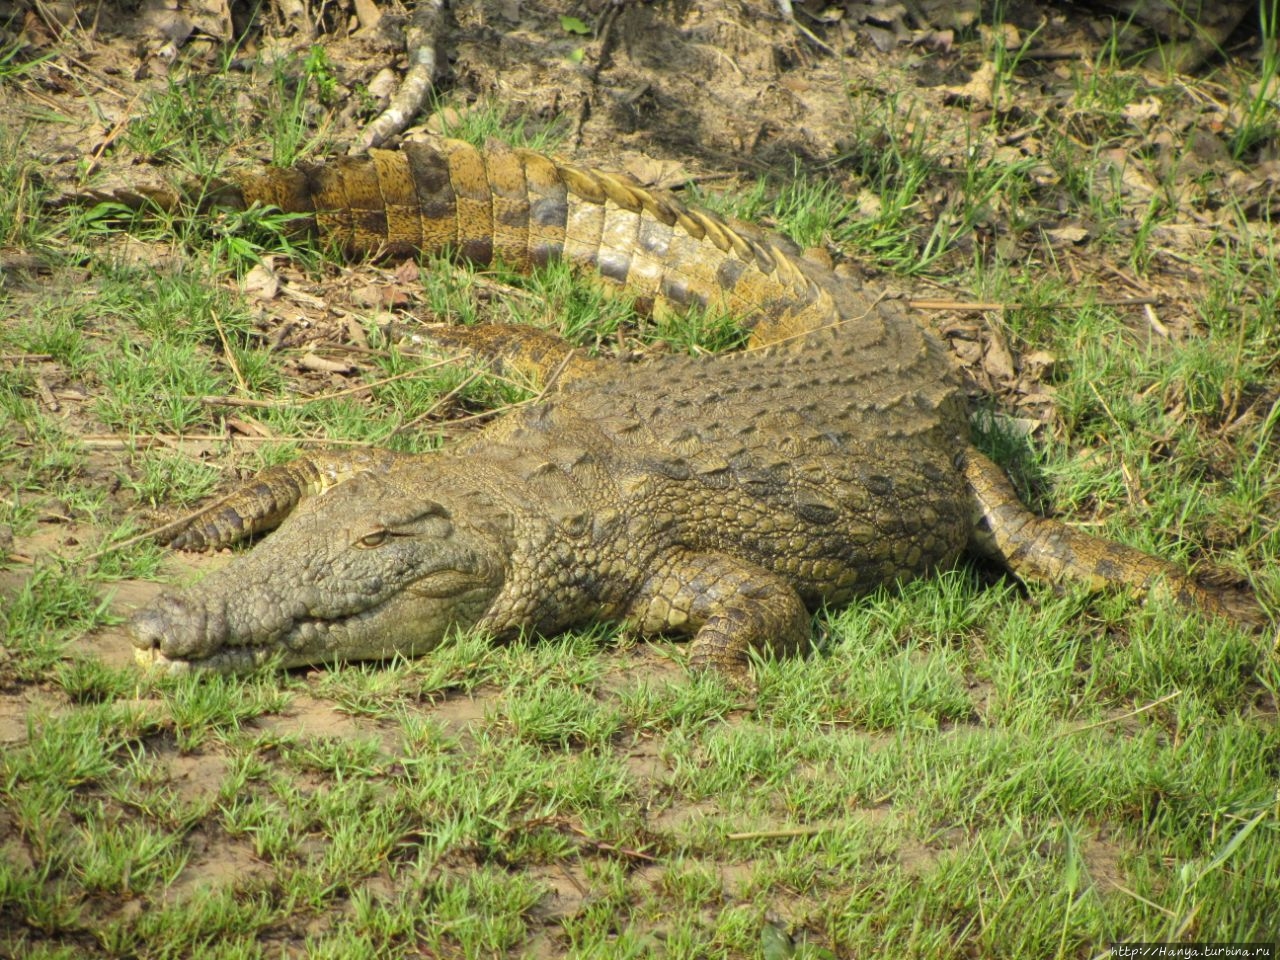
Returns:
(404,216)
(548,208)
(509,190)
(469,178)
(528,209)
(437,206)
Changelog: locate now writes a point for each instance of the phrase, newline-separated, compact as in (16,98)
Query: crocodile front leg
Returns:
(730,606)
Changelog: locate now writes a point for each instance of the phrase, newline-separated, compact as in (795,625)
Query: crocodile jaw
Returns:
(176,635)
(368,570)
(151,659)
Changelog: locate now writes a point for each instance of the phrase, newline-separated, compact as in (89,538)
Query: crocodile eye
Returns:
(374,539)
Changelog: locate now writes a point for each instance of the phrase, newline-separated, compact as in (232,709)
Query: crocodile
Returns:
(724,497)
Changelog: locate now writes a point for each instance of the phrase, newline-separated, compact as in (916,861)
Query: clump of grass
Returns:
(1258,123)
(488,119)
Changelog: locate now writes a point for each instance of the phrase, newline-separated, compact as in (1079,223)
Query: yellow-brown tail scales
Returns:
(526,209)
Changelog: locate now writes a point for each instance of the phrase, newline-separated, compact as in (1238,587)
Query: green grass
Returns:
(960,766)
(1258,125)
(20,223)
(487,119)
(196,118)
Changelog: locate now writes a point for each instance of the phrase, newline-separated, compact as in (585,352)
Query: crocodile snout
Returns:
(173,627)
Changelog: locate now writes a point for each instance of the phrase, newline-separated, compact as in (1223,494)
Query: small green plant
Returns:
(488,119)
(20,222)
(1259,120)
(891,153)
(297,92)
(1005,61)
(187,124)
(14,62)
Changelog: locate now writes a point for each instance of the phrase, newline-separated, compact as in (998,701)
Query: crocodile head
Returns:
(368,570)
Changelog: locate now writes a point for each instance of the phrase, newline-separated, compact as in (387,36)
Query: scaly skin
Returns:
(721,497)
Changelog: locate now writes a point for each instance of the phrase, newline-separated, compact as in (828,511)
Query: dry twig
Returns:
(420,40)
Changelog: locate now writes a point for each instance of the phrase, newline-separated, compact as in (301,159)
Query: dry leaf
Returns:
(655,173)
(887,13)
(950,14)
(318,364)
(1148,108)
(883,40)
(940,41)
(969,351)
(1039,364)
(247,427)
(997,360)
(1134,181)
(980,87)
(1009,36)
(262,282)
(384,295)
(302,297)
(409,271)
(1062,236)
(869,204)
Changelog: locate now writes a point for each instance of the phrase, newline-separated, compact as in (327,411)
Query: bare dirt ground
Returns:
(673,93)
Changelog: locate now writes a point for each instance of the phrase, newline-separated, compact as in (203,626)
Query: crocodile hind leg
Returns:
(262,503)
(731,607)
(1037,548)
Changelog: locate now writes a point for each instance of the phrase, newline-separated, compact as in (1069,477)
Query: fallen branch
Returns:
(420,41)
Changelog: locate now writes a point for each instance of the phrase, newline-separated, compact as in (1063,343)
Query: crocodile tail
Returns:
(1046,550)
(525,209)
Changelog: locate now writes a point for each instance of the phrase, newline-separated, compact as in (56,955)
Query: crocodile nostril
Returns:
(171,624)
(146,629)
